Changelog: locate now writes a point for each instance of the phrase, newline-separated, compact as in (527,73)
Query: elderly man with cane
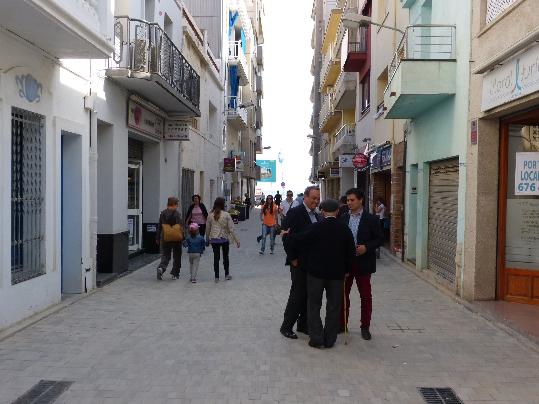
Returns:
(328,248)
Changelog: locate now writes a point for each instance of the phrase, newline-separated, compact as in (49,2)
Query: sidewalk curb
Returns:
(524,338)
(37,317)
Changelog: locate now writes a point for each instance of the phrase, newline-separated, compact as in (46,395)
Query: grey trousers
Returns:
(324,335)
(194,261)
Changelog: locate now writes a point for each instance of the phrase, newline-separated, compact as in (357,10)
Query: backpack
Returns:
(172,233)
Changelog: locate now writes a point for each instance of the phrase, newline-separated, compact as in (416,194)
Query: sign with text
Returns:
(229,165)
(268,170)
(517,77)
(144,121)
(360,160)
(239,156)
(334,172)
(177,130)
(527,173)
(346,161)
(474,131)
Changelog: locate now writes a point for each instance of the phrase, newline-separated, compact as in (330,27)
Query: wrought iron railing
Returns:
(143,47)
(424,42)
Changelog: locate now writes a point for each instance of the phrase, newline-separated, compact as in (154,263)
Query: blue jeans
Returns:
(265,231)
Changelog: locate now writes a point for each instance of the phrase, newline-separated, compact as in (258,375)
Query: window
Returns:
(149,9)
(168,26)
(27,195)
(496,7)
(366,93)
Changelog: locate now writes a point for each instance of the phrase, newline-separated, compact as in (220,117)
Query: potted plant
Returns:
(235,214)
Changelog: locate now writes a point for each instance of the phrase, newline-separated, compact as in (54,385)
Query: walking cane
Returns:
(345,316)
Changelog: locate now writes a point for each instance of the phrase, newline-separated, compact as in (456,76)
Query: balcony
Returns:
(345,141)
(422,72)
(311,122)
(66,29)
(236,116)
(328,116)
(357,52)
(259,86)
(259,118)
(260,55)
(236,57)
(331,67)
(325,158)
(258,145)
(345,91)
(147,62)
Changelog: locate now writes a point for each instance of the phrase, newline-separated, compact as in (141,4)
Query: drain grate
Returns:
(439,395)
(44,392)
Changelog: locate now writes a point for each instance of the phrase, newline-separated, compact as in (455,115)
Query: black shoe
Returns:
(258,239)
(315,345)
(159,274)
(366,334)
(341,330)
(289,334)
(302,330)
(328,345)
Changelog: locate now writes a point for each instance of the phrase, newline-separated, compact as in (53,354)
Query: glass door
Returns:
(134,204)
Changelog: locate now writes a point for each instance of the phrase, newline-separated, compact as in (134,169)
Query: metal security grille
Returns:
(27,157)
(188,189)
(439,395)
(496,7)
(443,210)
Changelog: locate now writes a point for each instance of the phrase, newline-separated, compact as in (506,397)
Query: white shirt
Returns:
(286,205)
(381,211)
(312,214)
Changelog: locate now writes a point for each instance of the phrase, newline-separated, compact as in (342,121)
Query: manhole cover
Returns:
(44,392)
(439,395)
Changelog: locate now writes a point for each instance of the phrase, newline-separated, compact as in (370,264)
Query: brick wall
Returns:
(397,179)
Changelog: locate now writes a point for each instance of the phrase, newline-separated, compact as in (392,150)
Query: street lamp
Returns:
(352,20)
(266,148)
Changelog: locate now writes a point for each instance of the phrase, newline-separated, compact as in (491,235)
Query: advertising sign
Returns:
(144,121)
(177,130)
(268,170)
(473,131)
(517,77)
(527,173)
(334,172)
(360,161)
(385,156)
(229,165)
(239,156)
(346,161)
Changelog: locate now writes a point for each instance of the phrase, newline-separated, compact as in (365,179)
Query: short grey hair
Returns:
(311,188)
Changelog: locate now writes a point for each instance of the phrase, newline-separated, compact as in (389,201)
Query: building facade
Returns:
(503,145)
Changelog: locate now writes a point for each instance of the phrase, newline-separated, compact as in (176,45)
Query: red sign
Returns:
(360,160)
(229,165)
(473,132)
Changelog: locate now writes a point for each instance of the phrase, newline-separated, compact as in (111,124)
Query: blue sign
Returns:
(268,170)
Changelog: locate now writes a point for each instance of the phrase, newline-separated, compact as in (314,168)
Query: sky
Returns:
(287,87)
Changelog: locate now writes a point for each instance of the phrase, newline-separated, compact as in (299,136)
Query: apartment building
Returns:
(503,152)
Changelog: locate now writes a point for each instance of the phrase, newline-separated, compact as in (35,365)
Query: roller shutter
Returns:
(443,213)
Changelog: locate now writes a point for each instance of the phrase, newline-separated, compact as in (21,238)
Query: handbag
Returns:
(278,229)
(172,232)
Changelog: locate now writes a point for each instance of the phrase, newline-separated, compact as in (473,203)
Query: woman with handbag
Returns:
(268,215)
(169,237)
(219,233)
(197,213)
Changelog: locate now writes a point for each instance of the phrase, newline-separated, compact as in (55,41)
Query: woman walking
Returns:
(197,213)
(219,234)
(268,216)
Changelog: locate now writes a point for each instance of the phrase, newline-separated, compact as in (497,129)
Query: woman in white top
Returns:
(219,233)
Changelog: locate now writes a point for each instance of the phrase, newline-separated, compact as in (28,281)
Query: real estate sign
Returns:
(527,173)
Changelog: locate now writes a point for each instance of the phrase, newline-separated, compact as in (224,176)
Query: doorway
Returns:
(518,219)
(134,204)
(71,213)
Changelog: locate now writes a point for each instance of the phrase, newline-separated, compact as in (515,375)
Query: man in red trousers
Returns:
(368,237)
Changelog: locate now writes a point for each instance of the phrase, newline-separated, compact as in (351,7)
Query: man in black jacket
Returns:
(298,220)
(368,237)
(329,250)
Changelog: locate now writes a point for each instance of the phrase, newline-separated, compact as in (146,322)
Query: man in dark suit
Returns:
(297,220)
(329,250)
(368,237)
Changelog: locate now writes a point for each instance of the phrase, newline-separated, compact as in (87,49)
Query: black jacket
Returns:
(328,248)
(369,233)
(297,220)
(202,207)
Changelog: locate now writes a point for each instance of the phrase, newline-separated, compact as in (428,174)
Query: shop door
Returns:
(443,211)
(188,189)
(518,228)
(134,204)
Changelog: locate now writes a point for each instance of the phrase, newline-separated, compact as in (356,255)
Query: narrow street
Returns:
(139,340)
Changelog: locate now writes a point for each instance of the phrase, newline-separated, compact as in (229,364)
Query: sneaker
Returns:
(261,252)
(193,281)
(175,277)
(216,280)
(271,252)
(159,274)
(228,277)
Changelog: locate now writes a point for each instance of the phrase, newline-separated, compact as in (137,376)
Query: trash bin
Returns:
(243,212)
(149,232)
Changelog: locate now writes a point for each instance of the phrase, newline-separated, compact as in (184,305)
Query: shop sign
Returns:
(144,121)
(229,165)
(385,156)
(177,130)
(376,160)
(346,161)
(321,175)
(474,131)
(517,77)
(334,172)
(360,161)
(239,156)
(527,173)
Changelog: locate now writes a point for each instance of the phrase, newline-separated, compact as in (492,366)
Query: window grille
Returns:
(496,7)
(27,176)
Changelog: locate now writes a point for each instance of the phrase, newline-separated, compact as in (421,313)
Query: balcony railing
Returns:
(331,57)
(345,141)
(327,107)
(424,42)
(235,110)
(144,48)
(236,54)
(324,155)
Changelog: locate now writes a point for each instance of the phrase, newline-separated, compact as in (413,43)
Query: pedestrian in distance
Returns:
(287,203)
(197,213)
(248,203)
(328,247)
(380,211)
(196,245)
(368,237)
(278,198)
(298,201)
(298,220)
(219,234)
(169,237)
(268,215)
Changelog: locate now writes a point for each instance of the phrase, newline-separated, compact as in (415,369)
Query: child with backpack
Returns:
(196,245)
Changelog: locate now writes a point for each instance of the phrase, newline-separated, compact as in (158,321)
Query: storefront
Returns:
(380,189)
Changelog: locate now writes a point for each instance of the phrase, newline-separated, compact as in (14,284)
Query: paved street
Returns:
(139,340)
